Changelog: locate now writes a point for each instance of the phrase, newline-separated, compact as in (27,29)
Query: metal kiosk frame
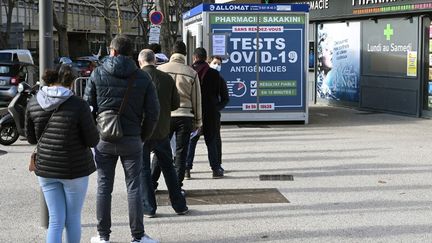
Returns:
(264,48)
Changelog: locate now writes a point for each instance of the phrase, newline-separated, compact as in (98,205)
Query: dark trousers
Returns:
(129,149)
(162,152)
(213,142)
(182,126)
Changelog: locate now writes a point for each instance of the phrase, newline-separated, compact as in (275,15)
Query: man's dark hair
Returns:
(179,47)
(200,53)
(215,57)
(155,47)
(122,44)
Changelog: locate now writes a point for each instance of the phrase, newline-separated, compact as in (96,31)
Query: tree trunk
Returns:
(166,40)
(119,20)
(107,21)
(11,6)
(62,33)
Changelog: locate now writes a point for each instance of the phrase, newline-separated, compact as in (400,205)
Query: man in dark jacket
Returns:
(214,97)
(159,142)
(106,91)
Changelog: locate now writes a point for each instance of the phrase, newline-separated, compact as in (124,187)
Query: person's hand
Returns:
(198,131)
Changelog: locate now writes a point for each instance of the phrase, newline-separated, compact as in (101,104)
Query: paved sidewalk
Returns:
(358,177)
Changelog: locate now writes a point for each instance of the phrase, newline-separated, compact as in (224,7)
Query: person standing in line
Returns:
(214,93)
(160,57)
(63,127)
(159,142)
(188,117)
(106,90)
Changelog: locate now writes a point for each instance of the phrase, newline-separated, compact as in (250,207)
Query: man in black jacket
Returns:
(106,91)
(159,142)
(214,96)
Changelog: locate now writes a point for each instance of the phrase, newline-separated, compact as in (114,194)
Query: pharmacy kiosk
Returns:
(265,56)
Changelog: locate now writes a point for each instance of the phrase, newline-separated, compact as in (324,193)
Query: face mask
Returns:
(216,66)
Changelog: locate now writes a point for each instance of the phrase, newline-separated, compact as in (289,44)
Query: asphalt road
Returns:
(358,177)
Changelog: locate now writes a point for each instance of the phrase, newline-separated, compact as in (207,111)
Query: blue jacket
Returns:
(106,89)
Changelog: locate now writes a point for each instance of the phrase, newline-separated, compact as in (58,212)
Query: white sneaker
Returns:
(145,239)
(97,239)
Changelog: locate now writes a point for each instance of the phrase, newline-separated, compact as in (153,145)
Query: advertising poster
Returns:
(412,63)
(389,46)
(338,68)
(265,68)
(430,95)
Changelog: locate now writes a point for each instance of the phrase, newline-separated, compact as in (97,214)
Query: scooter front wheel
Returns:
(8,134)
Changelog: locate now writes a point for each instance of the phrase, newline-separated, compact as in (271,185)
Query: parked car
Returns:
(62,60)
(16,55)
(13,73)
(84,67)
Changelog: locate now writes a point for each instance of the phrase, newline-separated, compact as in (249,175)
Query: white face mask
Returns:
(218,67)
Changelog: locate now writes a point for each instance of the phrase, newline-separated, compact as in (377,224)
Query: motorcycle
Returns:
(12,123)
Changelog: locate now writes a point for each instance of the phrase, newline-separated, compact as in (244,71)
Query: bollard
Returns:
(44,211)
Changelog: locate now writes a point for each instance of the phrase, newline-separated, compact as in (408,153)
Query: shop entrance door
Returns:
(427,69)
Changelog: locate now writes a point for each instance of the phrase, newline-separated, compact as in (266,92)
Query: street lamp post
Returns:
(46,47)
(46,60)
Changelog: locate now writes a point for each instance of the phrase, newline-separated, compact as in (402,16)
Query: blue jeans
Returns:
(162,151)
(129,149)
(65,199)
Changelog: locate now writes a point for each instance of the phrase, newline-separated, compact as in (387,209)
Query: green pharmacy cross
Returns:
(388,32)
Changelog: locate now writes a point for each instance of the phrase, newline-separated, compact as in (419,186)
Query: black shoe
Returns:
(187,175)
(149,215)
(183,212)
(219,173)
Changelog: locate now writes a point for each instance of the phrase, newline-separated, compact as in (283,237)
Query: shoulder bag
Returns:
(32,165)
(108,121)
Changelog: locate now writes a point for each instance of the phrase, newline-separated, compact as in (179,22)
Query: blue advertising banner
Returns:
(246,8)
(338,69)
(264,66)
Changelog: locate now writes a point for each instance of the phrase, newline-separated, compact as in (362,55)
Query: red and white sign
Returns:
(250,106)
(156,17)
(266,107)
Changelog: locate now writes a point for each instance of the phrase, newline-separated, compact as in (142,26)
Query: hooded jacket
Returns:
(188,87)
(64,149)
(106,89)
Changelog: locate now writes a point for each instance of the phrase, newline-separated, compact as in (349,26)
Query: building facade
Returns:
(86,25)
(372,54)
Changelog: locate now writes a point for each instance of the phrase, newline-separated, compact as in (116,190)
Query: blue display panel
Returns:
(264,66)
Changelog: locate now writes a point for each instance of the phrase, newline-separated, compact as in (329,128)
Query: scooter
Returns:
(12,123)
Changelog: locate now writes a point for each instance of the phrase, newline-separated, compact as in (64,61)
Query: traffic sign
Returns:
(156,17)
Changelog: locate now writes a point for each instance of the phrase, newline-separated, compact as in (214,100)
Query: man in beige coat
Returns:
(188,117)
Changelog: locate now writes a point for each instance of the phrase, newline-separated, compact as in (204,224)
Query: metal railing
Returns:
(79,85)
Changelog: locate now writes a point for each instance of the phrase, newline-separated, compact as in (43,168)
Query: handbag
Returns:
(32,164)
(108,122)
